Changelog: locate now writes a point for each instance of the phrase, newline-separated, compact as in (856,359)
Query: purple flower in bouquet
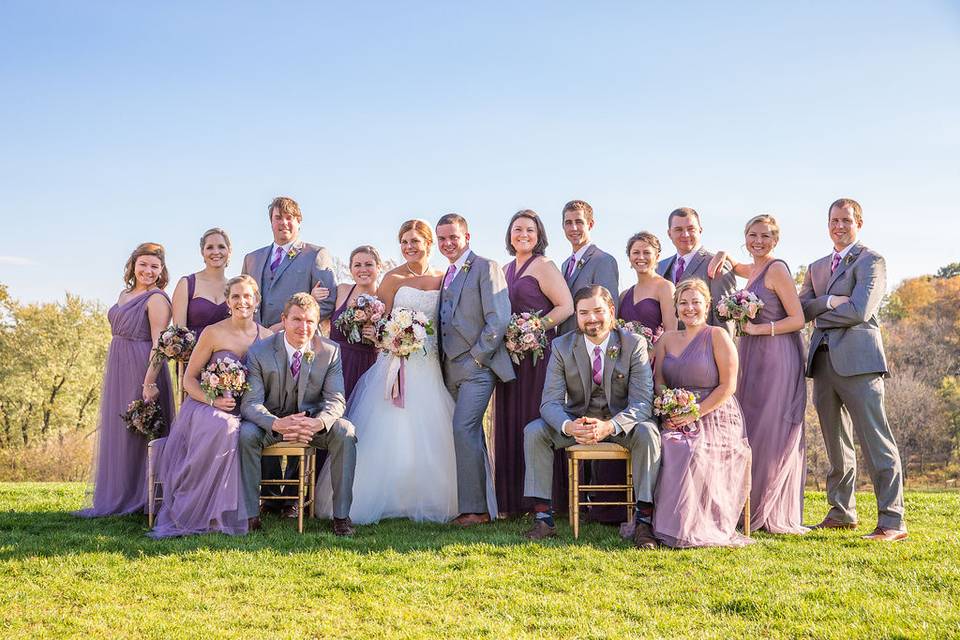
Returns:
(175,343)
(226,377)
(525,335)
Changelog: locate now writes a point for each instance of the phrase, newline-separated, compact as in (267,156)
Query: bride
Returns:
(406,467)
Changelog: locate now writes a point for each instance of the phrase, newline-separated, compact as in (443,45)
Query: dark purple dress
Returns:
(120,462)
(518,402)
(773,395)
(357,357)
(202,312)
(647,313)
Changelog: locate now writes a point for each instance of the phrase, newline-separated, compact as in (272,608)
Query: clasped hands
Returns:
(297,427)
(589,430)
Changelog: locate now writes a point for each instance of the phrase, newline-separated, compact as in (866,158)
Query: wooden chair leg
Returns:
(313,483)
(151,490)
(300,491)
(631,499)
(575,503)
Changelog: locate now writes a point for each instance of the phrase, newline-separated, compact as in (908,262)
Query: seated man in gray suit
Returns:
(692,261)
(288,266)
(587,264)
(599,387)
(296,395)
(841,295)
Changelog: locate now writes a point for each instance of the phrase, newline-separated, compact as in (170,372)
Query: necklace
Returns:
(412,272)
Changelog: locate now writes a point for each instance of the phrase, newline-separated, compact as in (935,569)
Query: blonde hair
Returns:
(697,285)
(303,300)
(146,249)
(285,205)
(215,231)
(422,227)
(242,279)
(765,218)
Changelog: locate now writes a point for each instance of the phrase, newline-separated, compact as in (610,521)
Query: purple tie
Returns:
(678,270)
(447,279)
(597,366)
(571,265)
(278,256)
(295,365)
(835,263)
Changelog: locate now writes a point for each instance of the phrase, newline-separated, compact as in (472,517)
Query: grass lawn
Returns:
(62,576)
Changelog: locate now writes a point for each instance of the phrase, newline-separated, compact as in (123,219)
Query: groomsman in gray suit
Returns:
(587,264)
(692,261)
(841,295)
(288,266)
(474,314)
(296,395)
(599,388)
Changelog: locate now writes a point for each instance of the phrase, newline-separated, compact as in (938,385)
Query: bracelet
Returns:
(771,329)
(150,385)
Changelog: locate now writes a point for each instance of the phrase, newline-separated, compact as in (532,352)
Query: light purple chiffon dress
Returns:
(120,462)
(773,396)
(199,470)
(702,484)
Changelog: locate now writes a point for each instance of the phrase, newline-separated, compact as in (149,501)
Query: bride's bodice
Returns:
(420,300)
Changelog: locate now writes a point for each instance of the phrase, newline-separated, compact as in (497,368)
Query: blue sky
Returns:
(126,122)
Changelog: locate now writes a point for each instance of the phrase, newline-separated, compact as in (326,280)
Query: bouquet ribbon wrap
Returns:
(395,383)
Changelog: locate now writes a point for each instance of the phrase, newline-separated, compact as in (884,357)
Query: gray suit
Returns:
(725,282)
(595,267)
(626,398)
(474,314)
(311,265)
(847,364)
(274,393)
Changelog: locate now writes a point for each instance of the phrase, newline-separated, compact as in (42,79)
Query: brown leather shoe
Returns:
(830,523)
(643,536)
(343,527)
(291,511)
(470,519)
(886,535)
(540,530)
(253,524)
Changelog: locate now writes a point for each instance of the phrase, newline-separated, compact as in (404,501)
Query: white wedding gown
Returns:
(406,466)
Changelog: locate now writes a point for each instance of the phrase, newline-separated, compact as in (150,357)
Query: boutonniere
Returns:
(579,264)
(309,356)
(613,353)
(849,259)
(293,253)
(466,266)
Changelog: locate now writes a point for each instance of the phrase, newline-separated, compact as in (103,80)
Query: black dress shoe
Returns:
(343,527)
(830,523)
(253,524)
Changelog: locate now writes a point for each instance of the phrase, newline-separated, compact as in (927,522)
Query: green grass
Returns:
(62,576)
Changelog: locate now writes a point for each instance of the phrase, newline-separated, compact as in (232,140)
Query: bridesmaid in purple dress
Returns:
(772,390)
(357,357)
(535,284)
(197,298)
(199,468)
(136,321)
(702,484)
(649,302)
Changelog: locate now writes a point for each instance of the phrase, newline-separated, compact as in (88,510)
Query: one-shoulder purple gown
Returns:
(202,312)
(120,463)
(355,357)
(702,484)
(773,395)
(518,402)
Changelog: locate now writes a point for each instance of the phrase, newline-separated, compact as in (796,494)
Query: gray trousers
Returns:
(339,440)
(848,405)
(540,440)
(471,387)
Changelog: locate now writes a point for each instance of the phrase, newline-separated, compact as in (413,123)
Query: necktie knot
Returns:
(447,279)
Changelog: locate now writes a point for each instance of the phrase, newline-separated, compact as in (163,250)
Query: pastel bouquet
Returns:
(144,419)
(526,334)
(400,334)
(175,343)
(225,377)
(365,309)
(674,403)
(635,327)
(739,306)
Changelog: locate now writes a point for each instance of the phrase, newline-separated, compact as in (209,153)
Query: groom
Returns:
(296,395)
(474,313)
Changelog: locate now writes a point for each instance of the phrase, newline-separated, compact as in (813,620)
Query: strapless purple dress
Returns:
(646,312)
(120,464)
(518,402)
(702,483)
(202,312)
(773,395)
(356,358)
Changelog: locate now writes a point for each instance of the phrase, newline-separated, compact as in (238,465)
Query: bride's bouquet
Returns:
(402,333)
(638,328)
(144,419)
(525,335)
(739,306)
(364,309)
(674,403)
(175,343)
(225,377)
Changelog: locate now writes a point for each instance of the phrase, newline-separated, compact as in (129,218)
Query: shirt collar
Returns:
(578,255)
(291,350)
(591,346)
(458,263)
(843,253)
(285,247)
(689,256)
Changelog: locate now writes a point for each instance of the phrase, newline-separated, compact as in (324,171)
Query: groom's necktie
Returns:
(277,257)
(678,270)
(295,364)
(447,279)
(571,265)
(597,366)
(835,263)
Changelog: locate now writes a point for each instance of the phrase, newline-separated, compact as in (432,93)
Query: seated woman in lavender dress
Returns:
(199,468)
(197,298)
(534,284)
(649,302)
(702,484)
(136,321)
(356,357)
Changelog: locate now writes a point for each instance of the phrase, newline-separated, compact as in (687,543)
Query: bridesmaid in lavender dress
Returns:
(535,284)
(702,484)
(772,390)
(136,321)
(196,296)
(200,466)
(357,357)
(649,302)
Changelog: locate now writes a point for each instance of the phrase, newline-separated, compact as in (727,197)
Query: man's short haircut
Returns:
(303,300)
(843,203)
(578,205)
(454,218)
(682,212)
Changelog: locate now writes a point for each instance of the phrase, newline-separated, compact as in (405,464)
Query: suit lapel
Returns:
(573,274)
(695,261)
(850,258)
(280,355)
(303,379)
(259,262)
(578,268)
(582,359)
(456,287)
(609,364)
(667,268)
(286,260)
